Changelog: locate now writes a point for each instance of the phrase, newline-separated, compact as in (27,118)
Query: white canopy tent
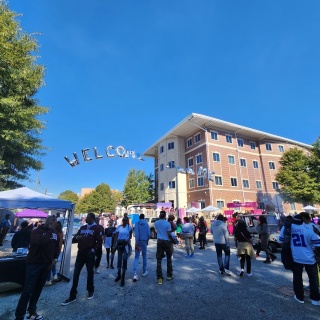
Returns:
(22,198)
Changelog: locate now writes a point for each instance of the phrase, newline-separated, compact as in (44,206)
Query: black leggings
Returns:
(248,259)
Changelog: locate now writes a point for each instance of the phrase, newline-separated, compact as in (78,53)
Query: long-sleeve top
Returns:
(44,245)
(91,239)
(142,231)
(220,232)
(21,239)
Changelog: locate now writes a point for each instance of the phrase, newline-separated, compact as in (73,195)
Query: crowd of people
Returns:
(45,244)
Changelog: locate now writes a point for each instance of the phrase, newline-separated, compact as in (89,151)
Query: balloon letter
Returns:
(73,162)
(132,152)
(121,151)
(95,150)
(107,152)
(140,157)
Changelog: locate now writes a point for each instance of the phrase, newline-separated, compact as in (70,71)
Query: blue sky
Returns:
(123,73)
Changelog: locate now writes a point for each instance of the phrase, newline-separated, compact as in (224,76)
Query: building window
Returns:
(245,183)
(191,183)
(220,204)
(240,143)
(281,149)
(197,138)
(234,182)
(190,162)
(228,138)
(243,163)
(161,149)
(292,206)
(189,142)
(199,158)
(161,167)
(275,185)
(258,184)
(271,165)
(214,135)
(172,184)
(255,164)
(161,186)
(171,164)
(268,146)
(218,180)
(200,182)
(252,145)
(216,157)
(170,145)
(231,159)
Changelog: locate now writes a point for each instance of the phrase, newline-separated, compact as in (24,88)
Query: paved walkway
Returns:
(197,291)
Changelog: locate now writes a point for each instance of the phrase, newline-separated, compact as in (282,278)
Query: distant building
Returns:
(85,191)
(207,161)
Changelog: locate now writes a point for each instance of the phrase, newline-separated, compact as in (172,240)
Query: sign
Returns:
(242,205)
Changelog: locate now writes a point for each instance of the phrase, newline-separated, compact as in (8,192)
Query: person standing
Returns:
(263,231)
(109,242)
(4,228)
(21,239)
(142,236)
(220,235)
(188,236)
(303,241)
(179,230)
(42,256)
(98,252)
(202,226)
(89,239)
(164,241)
(123,235)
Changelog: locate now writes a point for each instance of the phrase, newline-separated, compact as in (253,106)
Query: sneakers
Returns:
(267,261)
(97,270)
(249,275)
(135,277)
(55,278)
(241,273)
(68,301)
(300,301)
(273,258)
(227,272)
(188,256)
(145,273)
(48,283)
(191,255)
(90,295)
(169,277)
(315,303)
(34,316)
(160,281)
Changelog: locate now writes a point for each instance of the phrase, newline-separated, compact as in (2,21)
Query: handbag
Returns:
(249,240)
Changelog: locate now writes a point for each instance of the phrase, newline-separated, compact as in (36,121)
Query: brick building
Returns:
(213,162)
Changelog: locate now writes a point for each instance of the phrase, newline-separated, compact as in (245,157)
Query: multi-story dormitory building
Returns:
(213,162)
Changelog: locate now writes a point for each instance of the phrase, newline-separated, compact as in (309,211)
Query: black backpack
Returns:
(286,253)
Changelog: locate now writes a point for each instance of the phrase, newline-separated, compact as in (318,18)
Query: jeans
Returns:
(226,249)
(312,271)
(122,258)
(81,260)
(36,275)
(164,246)
(143,250)
(189,245)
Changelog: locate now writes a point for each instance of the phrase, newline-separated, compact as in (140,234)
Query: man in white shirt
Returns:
(303,241)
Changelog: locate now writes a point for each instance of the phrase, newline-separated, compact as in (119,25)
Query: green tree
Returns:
(136,188)
(69,195)
(20,125)
(296,181)
(314,163)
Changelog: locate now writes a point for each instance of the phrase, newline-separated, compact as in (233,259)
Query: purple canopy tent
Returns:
(29,213)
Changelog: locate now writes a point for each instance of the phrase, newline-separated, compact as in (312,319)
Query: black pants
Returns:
(245,257)
(81,260)
(164,246)
(98,254)
(36,276)
(202,240)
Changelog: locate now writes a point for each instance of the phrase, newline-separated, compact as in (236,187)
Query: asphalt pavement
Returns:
(197,291)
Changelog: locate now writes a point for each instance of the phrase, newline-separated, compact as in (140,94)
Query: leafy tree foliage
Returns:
(137,188)
(69,196)
(297,179)
(20,126)
(98,201)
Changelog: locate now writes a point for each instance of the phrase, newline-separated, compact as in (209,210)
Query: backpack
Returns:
(286,252)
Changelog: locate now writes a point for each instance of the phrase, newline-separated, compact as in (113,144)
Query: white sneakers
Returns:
(295,298)
(315,303)
(145,273)
(135,277)
(97,270)
(249,274)
(48,283)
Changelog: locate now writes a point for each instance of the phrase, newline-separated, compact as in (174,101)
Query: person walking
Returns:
(263,231)
(42,256)
(164,241)
(188,236)
(98,252)
(220,235)
(109,234)
(303,241)
(179,230)
(202,226)
(142,236)
(5,226)
(244,249)
(21,239)
(89,239)
(123,235)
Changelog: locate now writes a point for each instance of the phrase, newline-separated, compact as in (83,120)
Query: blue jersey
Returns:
(303,240)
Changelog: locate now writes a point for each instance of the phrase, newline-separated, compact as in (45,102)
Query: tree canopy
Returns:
(69,196)
(299,176)
(20,126)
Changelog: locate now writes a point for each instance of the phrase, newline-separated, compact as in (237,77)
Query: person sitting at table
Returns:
(21,238)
